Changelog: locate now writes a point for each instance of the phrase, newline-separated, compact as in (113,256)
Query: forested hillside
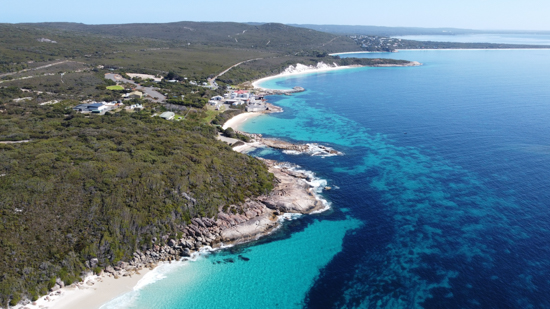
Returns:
(104,186)
(270,36)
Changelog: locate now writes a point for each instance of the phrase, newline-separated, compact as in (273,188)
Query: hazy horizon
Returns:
(266,22)
(489,15)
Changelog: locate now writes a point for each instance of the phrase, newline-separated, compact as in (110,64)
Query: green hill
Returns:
(270,36)
(103,186)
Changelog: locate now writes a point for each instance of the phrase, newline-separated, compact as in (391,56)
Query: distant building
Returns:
(44,40)
(167,115)
(217,98)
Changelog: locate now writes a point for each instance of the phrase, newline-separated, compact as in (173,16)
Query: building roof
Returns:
(167,115)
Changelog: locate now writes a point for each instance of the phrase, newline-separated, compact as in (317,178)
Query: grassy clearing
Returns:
(210,115)
(116,87)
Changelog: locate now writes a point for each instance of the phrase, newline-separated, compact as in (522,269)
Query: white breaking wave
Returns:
(315,150)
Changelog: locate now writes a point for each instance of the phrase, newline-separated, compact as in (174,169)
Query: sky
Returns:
(469,14)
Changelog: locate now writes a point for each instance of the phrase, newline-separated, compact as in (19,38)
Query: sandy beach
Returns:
(301,71)
(237,121)
(86,295)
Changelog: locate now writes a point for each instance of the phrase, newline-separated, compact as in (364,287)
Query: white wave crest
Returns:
(316,150)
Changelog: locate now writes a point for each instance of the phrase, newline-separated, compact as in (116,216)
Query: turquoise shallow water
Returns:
(276,273)
(444,175)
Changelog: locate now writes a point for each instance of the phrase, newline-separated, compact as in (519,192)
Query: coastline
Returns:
(321,67)
(91,293)
(296,193)
(238,120)
(303,70)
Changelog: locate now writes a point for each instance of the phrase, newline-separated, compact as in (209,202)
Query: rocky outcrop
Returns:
(313,148)
(292,193)
(235,224)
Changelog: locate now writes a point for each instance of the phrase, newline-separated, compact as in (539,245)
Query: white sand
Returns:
(256,84)
(86,296)
(237,121)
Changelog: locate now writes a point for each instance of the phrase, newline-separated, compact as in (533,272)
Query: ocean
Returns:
(441,199)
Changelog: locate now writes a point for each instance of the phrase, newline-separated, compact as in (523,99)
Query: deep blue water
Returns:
(441,199)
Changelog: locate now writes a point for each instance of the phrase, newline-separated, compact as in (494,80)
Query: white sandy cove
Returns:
(237,121)
(86,296)
(302,69)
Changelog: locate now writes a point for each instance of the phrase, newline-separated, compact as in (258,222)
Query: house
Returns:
(91,107)
(167,115)
(217,98)
(134,106)
(134,95)
(213,103)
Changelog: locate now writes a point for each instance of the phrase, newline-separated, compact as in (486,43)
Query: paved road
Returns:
(147,90)
(228,140)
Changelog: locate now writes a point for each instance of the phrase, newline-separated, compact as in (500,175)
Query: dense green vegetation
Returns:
(103,186)
(270,36)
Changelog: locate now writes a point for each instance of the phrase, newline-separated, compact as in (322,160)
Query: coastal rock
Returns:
(199,222)
(171,243)
(291,194)
(94,262)
(249,229)
(110,269)
(60,282)
(311,149)
(186,252)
